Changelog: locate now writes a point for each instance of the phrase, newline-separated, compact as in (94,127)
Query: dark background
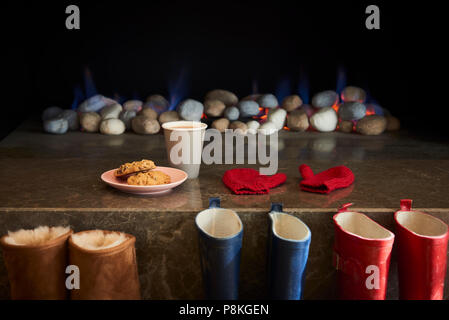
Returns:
(186,48)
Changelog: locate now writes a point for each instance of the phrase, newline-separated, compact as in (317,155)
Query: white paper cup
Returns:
(184,144)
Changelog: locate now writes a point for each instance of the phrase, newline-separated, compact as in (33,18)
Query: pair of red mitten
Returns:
(250,181)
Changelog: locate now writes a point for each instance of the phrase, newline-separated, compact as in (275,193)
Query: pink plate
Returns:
(177,177)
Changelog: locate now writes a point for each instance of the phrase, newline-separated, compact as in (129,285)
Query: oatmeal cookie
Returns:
(134,167)
(150,178)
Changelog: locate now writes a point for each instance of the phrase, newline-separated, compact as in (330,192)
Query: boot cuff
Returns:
(93,240)
(41,235)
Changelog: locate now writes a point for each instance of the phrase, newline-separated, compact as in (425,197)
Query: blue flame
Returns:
(178,89)
(78,97)
(303,87)
(283,89)
(89,84)
(341,79)
(373,105)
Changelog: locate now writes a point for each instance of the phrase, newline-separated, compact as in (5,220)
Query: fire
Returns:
(263,114)
(285,126)
(336,107)
(370,111)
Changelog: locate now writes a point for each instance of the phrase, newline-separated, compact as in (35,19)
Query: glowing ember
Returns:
(286,128)
(263,114)
(336,107)
(370,111)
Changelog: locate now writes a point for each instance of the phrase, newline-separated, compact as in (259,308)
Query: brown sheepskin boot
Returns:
(36,261)
(107,265)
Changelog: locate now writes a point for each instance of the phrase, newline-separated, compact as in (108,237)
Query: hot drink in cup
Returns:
(184,144)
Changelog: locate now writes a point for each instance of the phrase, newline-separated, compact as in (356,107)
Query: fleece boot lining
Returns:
(98,239)
(37,236)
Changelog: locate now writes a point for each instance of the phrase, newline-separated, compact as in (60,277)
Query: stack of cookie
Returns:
(141,173)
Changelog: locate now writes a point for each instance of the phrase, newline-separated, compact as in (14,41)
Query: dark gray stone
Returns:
(190,110)
(325,99)
(56,126)
(248,108)
(95,103)
(268,101)
(232,113)
(352,111)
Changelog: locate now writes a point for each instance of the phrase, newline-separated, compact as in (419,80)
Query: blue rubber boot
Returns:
(288,250)
(220,241)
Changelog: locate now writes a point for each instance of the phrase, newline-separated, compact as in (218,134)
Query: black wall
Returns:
(139,48)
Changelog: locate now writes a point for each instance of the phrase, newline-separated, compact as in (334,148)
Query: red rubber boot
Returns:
(422,253)
(362,251)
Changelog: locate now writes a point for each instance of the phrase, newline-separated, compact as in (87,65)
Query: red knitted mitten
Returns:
(326,181)
(249,181)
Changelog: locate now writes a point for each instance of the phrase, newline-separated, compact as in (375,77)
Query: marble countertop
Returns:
(40,171)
